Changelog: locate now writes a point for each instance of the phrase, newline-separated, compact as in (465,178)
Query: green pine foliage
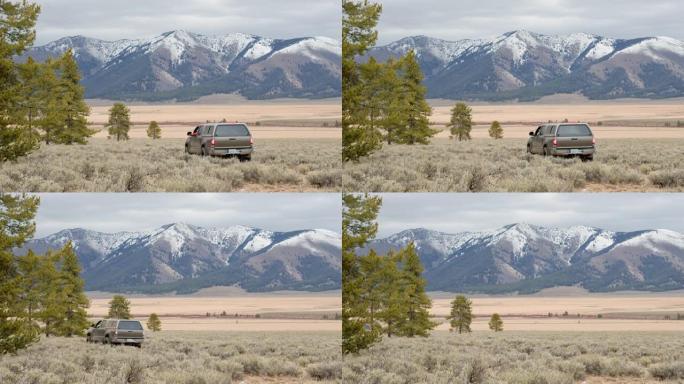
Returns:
(73,118)
(73,318)
(18,19)
(416,305)
(153,323)
(119,122)
(461,315)
(359,20)
(358,227)
(16,226)
(461,121)
(154,131)
(495,130)
(495,323)
(415,127)
(119,308)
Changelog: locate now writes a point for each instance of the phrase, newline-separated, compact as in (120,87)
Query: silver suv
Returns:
(116,331)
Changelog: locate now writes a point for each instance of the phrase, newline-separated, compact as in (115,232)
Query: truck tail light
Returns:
(213,142)
(593,140)
(251,140)
(555,142)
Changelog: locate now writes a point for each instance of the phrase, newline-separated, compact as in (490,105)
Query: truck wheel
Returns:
(245,158)
(204,151)
(187,149)
(107,340)
(546,151)
(588,158)
(529,149)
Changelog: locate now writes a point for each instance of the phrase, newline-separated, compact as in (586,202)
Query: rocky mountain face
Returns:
(184,66)
(526,66)
(184,258)
(526,258)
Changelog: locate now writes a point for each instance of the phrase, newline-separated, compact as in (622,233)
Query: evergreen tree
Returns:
(33,94)
(30,285)
(16,226)
(416,128)
(154,131)
(496,131)
(52,300)
(119,121)
(358,35)
(373,99)
(358,227)
(416,321)
(461,314)
(51,122)
(73,318)
(74,110)
(495,323)
(17,22)
(393,306)
(461,121)
(153,323)
(119,308)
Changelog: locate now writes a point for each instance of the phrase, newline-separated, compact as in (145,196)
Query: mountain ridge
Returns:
(527,258)
(526,66)
(184,258)
(183,65)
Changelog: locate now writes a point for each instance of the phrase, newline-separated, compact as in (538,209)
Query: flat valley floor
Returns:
(297,144)
(636,151)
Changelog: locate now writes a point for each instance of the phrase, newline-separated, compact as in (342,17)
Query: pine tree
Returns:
(33,95)
(74,318)
(30,285)
(51,122)
(358,35)
(119,121)
(416,128)
(394,302)
(153,323)
(496,131)
(461,121)
(358,227)
(52,300)
(17,33)
(461,315)
(119,308)
(417,306)
(74,110)
(495,323)
(154,131)
(16,226)
(373,98)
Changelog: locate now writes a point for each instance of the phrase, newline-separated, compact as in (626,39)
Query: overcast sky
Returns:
(125,212)
(454,213)
(113,20)
(461,19)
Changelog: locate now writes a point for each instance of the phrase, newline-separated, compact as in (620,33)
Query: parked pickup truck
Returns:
(221,139)
(567,139)
(116,331)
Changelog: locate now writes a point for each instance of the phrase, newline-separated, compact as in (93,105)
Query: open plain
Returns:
(297,149)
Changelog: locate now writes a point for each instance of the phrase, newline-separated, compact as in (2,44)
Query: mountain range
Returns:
(526,258)
(525,66)
(183,258)
(183,65)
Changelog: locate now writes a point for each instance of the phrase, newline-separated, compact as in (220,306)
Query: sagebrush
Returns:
(486,165)
(146,165)
(180,358)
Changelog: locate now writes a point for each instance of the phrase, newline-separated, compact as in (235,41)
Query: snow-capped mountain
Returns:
(182,257)
(523,257)
(526,65)
(186,65)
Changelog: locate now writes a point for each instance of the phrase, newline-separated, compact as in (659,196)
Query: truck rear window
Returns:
(228,130)
(130,325)
(573,130)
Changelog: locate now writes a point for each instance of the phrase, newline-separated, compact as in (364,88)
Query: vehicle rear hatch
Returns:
(129,329)
(574,136)
(232,136)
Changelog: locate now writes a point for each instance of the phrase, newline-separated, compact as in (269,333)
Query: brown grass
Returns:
(144,165)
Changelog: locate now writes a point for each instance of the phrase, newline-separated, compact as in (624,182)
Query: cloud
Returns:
(461,19)
(113,20)
(113,212)
(453,213)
